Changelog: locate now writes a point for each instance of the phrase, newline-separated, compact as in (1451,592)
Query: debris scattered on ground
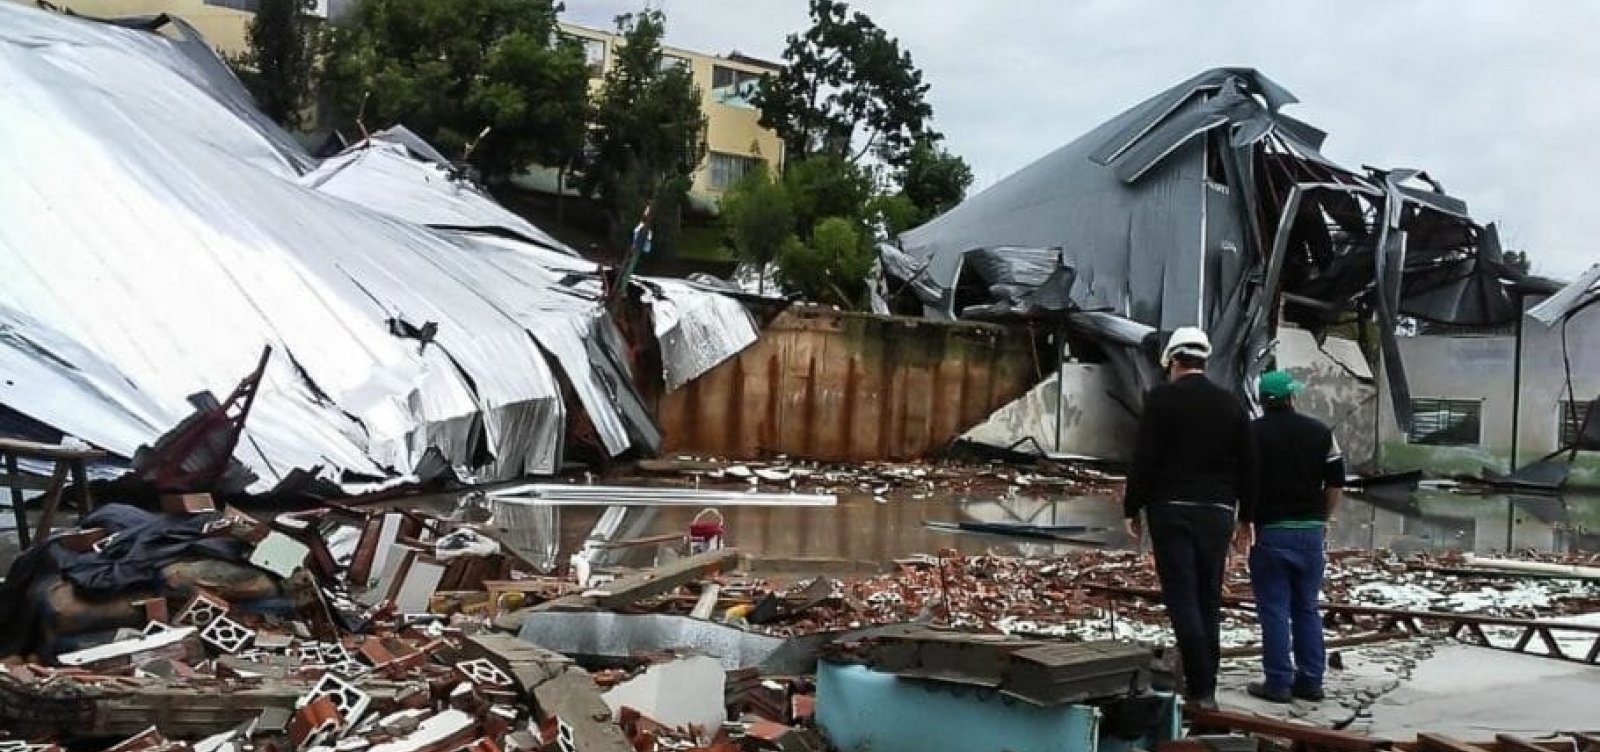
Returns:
(914,480)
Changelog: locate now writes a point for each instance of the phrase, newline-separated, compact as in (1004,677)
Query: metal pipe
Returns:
(564,495)
(1516,421)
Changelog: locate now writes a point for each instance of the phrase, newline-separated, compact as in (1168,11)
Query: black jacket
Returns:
(1194,445)
(1299,458)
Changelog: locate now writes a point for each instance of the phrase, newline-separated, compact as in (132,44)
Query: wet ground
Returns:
(863,534)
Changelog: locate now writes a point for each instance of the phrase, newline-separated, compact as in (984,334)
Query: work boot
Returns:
(1308,693)
(1270,694)
(1208,702)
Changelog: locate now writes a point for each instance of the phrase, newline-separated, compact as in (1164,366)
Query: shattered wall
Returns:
(1340,391)
(835,386)
(1480,368)
(1091,422)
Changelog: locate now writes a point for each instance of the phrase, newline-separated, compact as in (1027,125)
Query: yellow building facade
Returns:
(735,141)
(221,22)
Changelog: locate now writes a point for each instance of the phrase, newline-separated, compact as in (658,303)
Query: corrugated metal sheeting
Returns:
(157,234)
(1207,205)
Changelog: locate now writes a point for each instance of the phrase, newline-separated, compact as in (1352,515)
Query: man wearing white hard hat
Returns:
(1193,476)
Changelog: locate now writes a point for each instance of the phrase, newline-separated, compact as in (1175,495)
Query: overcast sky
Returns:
(1499,101)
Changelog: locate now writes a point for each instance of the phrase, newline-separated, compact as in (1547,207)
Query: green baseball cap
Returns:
(1278,385)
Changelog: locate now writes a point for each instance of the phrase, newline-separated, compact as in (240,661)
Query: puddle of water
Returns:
(866,535)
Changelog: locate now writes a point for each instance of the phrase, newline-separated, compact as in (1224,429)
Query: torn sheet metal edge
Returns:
(1583,290)
(613,635)
(568,495)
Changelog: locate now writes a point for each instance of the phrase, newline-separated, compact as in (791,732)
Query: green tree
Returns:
(933,179)
(832,267)
(1519,261)
(279,63)
(491,77)
(846,89)
(825,185)
(758,217)
(647,134)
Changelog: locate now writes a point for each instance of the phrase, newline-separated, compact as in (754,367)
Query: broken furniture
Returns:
(67,460)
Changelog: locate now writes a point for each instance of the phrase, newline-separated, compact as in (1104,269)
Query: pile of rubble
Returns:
(1086,595)
(883,480)
(347,629)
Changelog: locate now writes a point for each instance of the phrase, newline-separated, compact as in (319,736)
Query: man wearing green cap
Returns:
(1300,474)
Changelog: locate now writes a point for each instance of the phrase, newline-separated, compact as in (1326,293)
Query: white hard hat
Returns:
(1186,340)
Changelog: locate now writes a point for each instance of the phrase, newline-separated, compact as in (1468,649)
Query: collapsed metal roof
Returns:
(1207,205)
(158,233)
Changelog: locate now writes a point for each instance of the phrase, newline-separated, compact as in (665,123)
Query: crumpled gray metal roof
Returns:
(1201,207)
(157,236)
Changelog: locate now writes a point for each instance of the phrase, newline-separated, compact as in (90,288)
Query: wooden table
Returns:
(66,459)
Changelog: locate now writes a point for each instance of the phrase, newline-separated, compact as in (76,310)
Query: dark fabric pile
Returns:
(141,543)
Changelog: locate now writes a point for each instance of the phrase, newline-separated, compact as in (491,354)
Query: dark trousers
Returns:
(1286,574)
(1191,547)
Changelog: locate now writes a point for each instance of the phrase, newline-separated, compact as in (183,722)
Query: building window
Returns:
(735,88)
(727,169)
(674,62)
(248,6)
(594,54)
(1445,422)
(1570,425)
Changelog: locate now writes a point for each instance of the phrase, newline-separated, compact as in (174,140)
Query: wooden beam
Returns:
(1314,737)
(626,591)
(179,707)
(1442,743)
(36,450)
(1512,743)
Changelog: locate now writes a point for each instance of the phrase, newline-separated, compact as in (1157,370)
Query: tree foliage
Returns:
(832,267)
(279,63)
(647,133)
(449,70)
(846,89)
(824,186)
(759,218)
(933,179)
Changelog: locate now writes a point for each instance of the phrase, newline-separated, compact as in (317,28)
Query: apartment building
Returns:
(735,141)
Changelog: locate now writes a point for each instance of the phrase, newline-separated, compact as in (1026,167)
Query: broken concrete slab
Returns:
(584,722)
(685,691)
(179,644)
(528,664)
(280,554)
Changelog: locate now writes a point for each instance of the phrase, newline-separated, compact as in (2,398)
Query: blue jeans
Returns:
(1286,573)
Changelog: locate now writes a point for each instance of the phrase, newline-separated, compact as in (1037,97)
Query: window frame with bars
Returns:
(1442,433)
(1567,426)
(749,163)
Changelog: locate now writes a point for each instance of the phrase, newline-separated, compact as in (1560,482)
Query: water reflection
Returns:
(864,535)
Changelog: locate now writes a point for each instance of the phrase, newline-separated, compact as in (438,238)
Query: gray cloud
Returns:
(1495,100)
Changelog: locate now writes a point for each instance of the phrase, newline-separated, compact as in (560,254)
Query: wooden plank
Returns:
(36,450)
(179,708)
(52,500)
(1512,743)
(19,507)
(633,588)
(1312,736)
(1442,743)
